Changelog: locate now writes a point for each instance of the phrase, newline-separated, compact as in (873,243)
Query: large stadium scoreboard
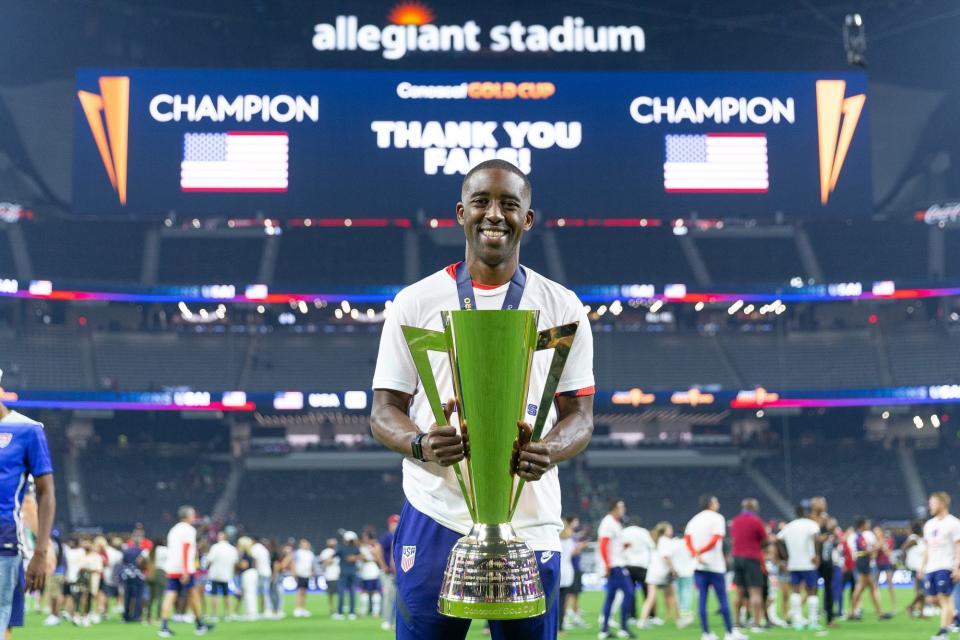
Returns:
(392,143)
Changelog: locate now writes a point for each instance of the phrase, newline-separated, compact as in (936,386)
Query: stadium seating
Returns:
(145,361)
(51,359)
(857,478)
(822,360)
(336,361)
(750,260)
(337,257)
(125,488)
(85,250)
(924,356)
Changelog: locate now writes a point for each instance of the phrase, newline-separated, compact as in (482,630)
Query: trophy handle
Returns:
(420,342)
(560,339)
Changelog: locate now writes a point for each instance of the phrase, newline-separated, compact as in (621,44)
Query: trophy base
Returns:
(491,575)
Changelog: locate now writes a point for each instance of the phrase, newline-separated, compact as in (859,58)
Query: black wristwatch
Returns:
(416,446)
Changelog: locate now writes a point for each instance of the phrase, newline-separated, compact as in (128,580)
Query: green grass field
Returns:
(321,627)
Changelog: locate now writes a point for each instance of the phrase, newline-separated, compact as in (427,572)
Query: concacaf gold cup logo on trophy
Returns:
(491,573)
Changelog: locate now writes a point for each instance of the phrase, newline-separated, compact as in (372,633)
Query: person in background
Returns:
(683,567)
(749,535)
(330,562)
(638,547)
(801,535)
(181,568)
(221,568)
(388,576)
(88,582)
(614,567)
(282,564)
(865,550)
(110,587)
(660,574)
(581,541)
(370,562)
(303,560)
(263,563)
(130,575)
(567,545)
(156,578)
(940,566)
(885,566)
(704,538)
(349,554)
(849,580)
(249,578)
(54,590)
(912,550)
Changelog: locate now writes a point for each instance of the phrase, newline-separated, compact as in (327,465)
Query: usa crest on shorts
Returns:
(5,439)
(408,557)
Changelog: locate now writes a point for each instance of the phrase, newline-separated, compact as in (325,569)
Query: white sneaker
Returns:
(657,622)
(337,616)
(352,616)
(603,635)
(709,636)
(684,621)
(734,635)
(51,621)
(386,626)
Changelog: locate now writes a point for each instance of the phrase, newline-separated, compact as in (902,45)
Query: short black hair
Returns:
(705,500)
(800,511)
(503,165)
(614,503)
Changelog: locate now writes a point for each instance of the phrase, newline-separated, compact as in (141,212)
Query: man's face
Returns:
(620,510)
(495,213)
(935,505)
(714,504)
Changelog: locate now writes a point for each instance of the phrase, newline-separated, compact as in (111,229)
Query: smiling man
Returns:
(494,211)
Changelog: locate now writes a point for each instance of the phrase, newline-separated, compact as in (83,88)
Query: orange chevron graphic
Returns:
(834,138)
(114,102)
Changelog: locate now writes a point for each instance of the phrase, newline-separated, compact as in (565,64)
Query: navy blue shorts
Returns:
(810,578)
(938,583)
(218,588)
(174,584)
(420,551)
(370,585)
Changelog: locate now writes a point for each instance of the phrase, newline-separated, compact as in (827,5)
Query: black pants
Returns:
(826,572)
(639,577)
(563,603)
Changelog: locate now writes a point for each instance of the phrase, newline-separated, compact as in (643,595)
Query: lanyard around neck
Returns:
(468,299)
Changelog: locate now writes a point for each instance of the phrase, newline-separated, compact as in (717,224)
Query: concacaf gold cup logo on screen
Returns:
(108,114)
(834,137)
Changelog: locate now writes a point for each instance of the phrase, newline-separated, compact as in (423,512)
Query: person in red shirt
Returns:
(749,535)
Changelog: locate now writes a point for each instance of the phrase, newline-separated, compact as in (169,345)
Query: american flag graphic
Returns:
(408,557)
(235,161)
(716,163)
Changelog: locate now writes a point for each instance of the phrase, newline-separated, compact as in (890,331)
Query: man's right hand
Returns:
(444,445)
(184,579)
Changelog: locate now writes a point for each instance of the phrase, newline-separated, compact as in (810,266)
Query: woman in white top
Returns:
(913,549)
(660,573)
(683,568)
(370,554)
(249,577)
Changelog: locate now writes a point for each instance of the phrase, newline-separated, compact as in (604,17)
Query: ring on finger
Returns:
(529,466)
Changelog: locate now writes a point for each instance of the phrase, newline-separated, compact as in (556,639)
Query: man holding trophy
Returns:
(484,383)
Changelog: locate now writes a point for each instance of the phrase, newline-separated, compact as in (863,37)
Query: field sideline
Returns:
(321,627)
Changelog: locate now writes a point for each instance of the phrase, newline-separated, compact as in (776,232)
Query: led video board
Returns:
(392,143)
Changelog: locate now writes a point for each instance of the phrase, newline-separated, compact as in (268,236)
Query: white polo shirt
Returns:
(433,489)
(701,529)
(612,529)
(182,550)
(800,537)
(941,535)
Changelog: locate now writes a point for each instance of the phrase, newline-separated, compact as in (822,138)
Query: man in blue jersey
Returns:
(23,453)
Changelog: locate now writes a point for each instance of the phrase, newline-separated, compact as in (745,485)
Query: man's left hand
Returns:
(37,571)
(530,459)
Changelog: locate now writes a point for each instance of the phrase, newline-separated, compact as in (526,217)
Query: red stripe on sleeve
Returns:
(713,542)
(186,554)
(689,540)
(605,551)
